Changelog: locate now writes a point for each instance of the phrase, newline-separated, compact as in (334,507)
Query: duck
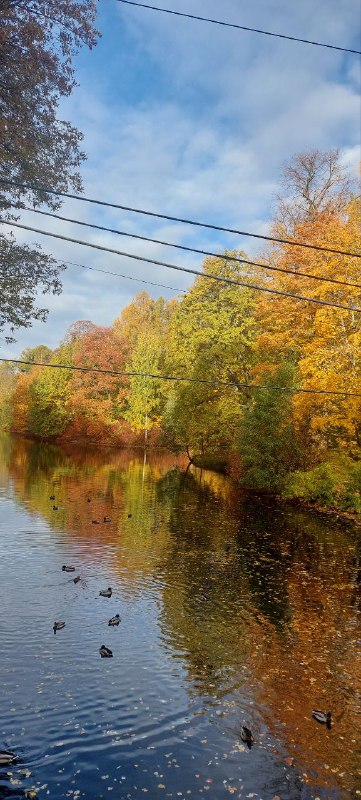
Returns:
(95,522)
(246,736)
(6,757)
(106,592)
(107,519)
(114,620)
(105,652)
(88,500)
(55,508)
(66,568)
(77,579)
(52,497)
(323,717)
(58,626)
(129,516)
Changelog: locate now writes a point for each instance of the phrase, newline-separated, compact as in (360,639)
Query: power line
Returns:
(207,275)
(238,27)
(119,275)
(193,249)
(293,243)
(208,381)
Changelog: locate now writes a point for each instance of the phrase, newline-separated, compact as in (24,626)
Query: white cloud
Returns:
(215,113)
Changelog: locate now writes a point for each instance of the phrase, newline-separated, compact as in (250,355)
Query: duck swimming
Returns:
(106,592)
(95,522)
(66,568)
(52,497)
(107,519)
(77,579)
(6,757)
(114,620)
(324,718)
(55,508)
(105,652)
(246,736)
(58,626)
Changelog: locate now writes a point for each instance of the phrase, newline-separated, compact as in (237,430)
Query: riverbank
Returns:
(332,487)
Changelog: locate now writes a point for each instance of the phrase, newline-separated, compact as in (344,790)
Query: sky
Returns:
(194,120)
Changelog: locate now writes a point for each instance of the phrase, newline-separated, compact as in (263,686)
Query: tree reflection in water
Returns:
(258,606)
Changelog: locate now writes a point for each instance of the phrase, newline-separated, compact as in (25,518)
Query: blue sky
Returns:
(194,120)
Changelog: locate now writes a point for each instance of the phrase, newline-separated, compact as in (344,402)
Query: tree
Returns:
(38,40)
(313,182)
(323,342)
(49,394)
(267,440)
(40,354)
(23,271)
(212,336)
(96,398)
(142,314)
(144,400)
(7,384)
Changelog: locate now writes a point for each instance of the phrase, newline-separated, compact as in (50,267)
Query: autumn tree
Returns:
(212,336)
(143,329)
(49,393)
(142,314)
(19,403)
(38,41)
(97,399)
(7,384)
(323,342)
(144,399)
(40,354)
(313,182)
(267,441)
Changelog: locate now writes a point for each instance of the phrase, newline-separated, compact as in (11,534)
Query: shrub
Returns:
(335,483)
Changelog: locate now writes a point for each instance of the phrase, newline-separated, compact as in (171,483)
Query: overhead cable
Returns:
(293,243)
(238,27)
(207,275)
(120,275)
(225,257)
(178,378)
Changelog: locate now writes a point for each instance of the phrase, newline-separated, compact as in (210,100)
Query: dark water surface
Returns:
(231,613)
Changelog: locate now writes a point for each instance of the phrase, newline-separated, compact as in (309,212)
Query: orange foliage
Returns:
(323,342)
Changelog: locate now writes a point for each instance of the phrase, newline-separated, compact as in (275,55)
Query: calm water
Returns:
(230,614)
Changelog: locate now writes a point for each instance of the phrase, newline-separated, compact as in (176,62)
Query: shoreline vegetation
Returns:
(318,503)
(267,383)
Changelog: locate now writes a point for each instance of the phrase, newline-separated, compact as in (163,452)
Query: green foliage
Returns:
(336,483)
(40,355)
(49,396)
(143,408)
(7,385)
(267,441)
(212,335)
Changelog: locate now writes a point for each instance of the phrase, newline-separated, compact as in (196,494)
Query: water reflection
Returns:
(231,613)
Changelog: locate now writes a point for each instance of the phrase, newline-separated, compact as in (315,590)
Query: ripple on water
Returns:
(219,608)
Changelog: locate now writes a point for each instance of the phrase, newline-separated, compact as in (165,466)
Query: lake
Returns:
(232,612)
